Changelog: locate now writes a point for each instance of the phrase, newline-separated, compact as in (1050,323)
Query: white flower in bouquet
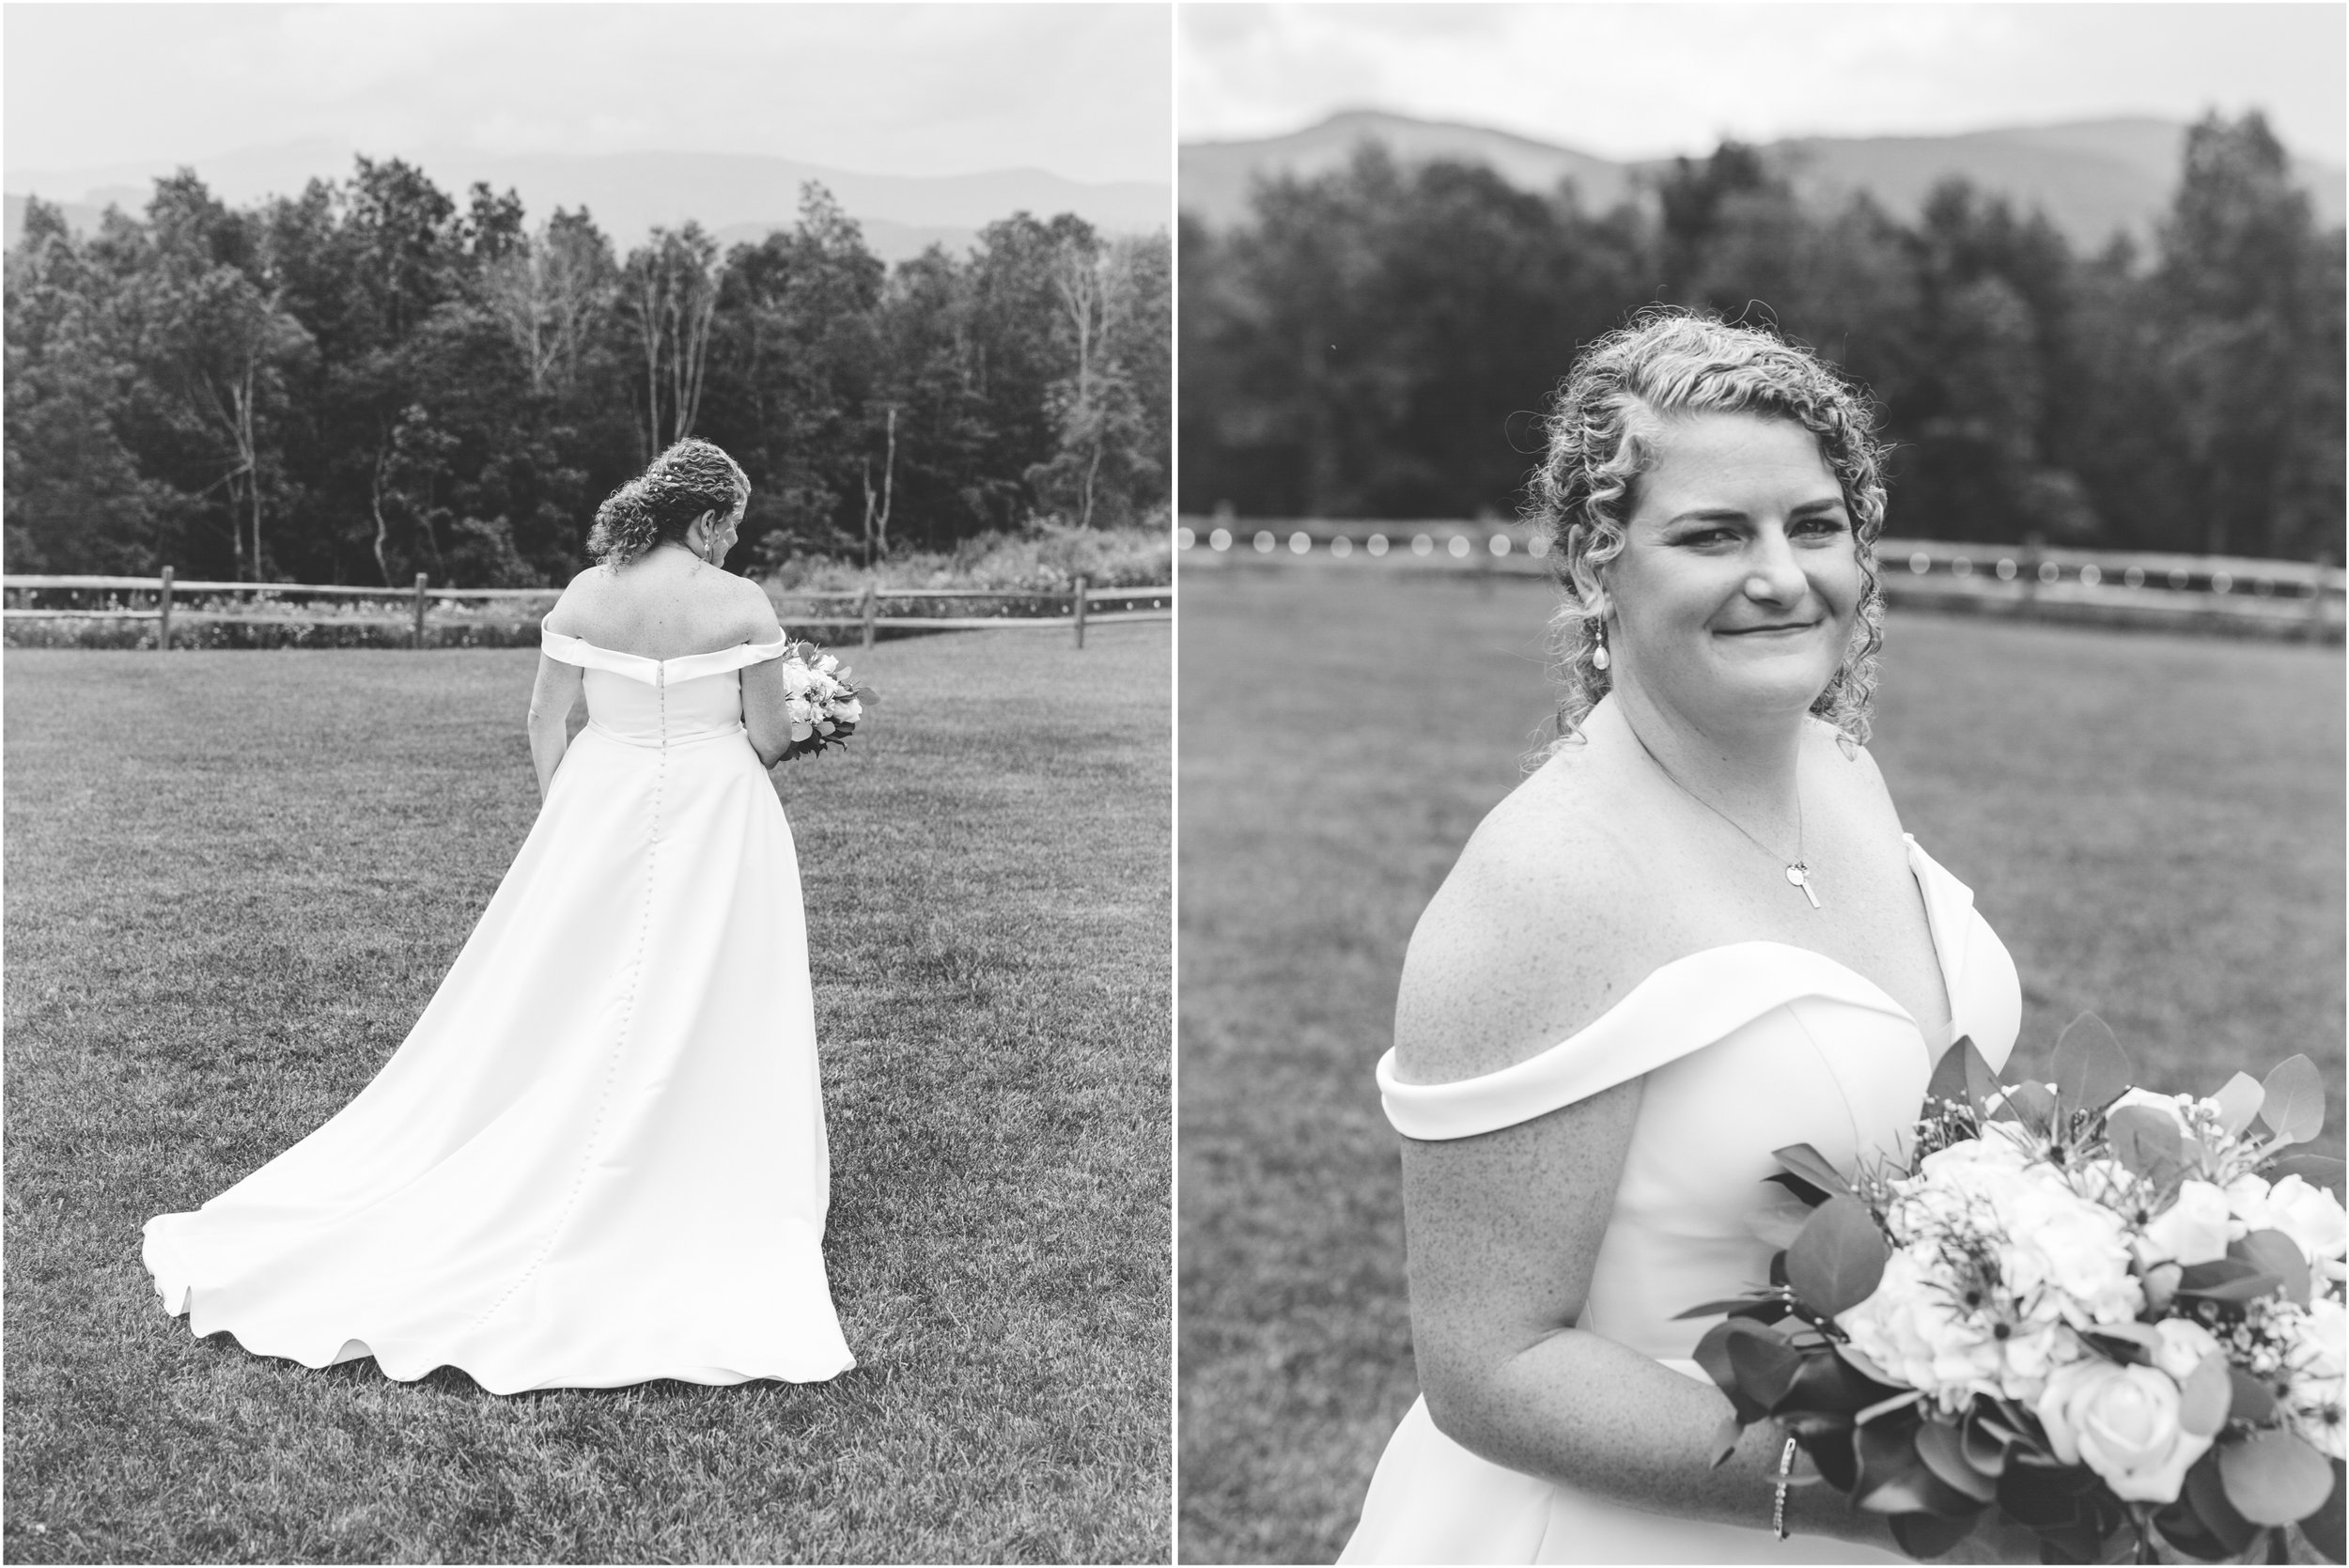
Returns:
(2122,1421)
(797,677)
(801,709)
(828,663)
(853,710)
(1935,1325)
(2184,1344)
(2062,1242)
(2193,1230)
(2317,1360)
(2312,1216)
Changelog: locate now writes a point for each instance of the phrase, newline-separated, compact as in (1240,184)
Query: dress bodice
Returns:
(661,702)
(1745,1049)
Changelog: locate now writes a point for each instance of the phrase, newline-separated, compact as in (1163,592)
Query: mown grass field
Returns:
(2153,825)
(232,882)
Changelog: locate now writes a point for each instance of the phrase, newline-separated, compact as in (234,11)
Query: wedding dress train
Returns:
(599,1157)
(1746,1049)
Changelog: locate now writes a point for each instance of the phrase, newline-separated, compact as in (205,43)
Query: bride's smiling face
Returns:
(1739,577)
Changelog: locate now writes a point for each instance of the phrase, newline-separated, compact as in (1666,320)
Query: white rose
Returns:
(828,663)
(2192,1230)
(796,677)
(2123,1423)
(2247,1199)
(2185,1345)
(801,709)
(853,710)
(2310,1215)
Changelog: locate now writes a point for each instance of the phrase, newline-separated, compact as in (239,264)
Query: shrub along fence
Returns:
(2231,596)
(162,613)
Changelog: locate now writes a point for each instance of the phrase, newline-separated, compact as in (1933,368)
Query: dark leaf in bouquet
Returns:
(2145,1140)
(1893,1479)
(2238,1102)
(2323,1527)
(1837,1261)
(2293,1107)
(2276,1253)
(1813,1170)
(1712,1355)
(2047,1498)
(1929,1535)
(1963,1075)
(1942,1447)
(2184,1530)
(2227,1279)
(1733,1306)
(1765,1366)
(2205,1397)
(2091,1069)
(1986,1444)
(1833,1452)
(2273,1478)
(2028,1103)
(2250,1399)
(1827,1384)
(1726,1437)
(2314,1169)
(2278,1546)
(1810,1195)
(2130,1344)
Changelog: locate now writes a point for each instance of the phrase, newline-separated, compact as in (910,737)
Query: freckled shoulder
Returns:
(1532,935)
(581,592)
(757,610)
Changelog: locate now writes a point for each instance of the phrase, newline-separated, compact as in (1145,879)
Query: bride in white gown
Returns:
(599,1157)
(1697,933)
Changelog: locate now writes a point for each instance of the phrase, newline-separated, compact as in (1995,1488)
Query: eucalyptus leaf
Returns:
(1943,1451)
(1838,1260)
(2239,1102)
(2273,1478)
(2252,1400)
(2276,1253)
(1964,1076)
(2324,1527)
(2091,1068)
(1813,1168)
(2205,1396)
(2146,1142)
(2314,1169)
(2293,1107)
(2206,1493)
(2032,1104)
(1926,1536)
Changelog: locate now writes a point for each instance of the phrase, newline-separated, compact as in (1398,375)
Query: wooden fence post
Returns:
(421,580)
(2317,574)
(872,609)
(162,613)
(1078,609)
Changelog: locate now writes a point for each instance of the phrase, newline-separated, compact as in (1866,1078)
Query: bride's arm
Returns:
(1503,1228)
(552,695)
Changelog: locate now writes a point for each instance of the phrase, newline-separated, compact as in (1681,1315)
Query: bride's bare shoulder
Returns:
(573,608)
(1540,927)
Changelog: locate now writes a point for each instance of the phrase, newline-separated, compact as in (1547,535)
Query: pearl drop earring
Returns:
(1599,658)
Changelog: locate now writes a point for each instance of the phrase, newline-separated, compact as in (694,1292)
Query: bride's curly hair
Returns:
(1600,434)
(690,478)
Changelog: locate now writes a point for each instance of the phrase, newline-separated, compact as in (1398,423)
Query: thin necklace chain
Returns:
(1797,869)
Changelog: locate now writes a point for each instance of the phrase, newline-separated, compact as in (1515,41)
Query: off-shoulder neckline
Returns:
(1932,879)
(781,641)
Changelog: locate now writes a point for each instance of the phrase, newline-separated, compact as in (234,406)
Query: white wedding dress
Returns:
(599,1157)
(1745,1049)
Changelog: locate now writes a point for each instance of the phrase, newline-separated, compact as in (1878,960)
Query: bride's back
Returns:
(664,604)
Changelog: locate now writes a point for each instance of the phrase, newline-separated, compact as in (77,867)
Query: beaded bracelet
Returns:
(1785,1472)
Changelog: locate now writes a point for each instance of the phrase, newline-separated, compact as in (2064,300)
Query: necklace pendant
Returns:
(1800,874)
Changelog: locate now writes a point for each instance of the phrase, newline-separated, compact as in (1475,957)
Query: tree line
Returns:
(1376,341)
(371,380)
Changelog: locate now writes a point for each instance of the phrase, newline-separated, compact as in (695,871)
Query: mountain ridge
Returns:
(2091,176)
(629,193)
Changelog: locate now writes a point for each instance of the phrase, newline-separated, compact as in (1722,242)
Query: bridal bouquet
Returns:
(2113,1315)
(826,703)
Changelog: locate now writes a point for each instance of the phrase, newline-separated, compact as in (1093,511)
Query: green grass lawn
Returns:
(2153,825)
(234,878)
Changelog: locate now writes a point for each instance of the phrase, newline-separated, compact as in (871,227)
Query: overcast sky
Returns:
(1085,91)
(1635,81)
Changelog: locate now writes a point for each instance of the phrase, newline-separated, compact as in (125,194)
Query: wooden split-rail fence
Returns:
(160,600)
(2236,595)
